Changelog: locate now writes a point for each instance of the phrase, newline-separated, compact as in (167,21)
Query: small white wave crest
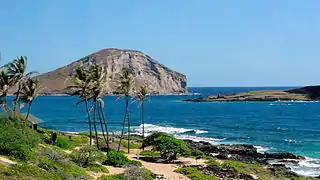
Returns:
(306,167)
(261,149)
(198,139)
(150,128)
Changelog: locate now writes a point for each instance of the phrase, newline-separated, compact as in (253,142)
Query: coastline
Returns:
(302,165)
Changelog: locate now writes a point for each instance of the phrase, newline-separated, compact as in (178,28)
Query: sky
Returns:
(214,43)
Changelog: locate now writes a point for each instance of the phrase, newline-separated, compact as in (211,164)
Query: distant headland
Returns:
(308,93)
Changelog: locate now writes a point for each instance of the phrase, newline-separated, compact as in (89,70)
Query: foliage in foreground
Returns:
(194,174)
(168,146)
(119,159)
(87,155)
(17,139)
(63,143)
(97,168)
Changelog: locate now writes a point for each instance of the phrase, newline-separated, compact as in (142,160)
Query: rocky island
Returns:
(159,78)
(308,93)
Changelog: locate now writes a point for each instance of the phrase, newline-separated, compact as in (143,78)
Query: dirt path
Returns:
(6,161)
(167,170)
(114,170)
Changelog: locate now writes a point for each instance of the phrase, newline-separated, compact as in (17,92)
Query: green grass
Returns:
(194,174)
(132,145)
(112,177)
(119,159)
(63,143)
(97,168)
(77,139)
(148,153)
(213,162)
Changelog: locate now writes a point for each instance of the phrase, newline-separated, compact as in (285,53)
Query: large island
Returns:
(308,93)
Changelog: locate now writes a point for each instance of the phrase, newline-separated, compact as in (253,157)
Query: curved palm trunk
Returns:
(101,124)
(128,131)
(124,121)
(89,120)
(16,100)
(142,107)
(29,110)
(105,123)
(142,121)
(95,123)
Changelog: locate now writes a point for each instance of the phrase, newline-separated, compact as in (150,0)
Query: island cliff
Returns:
(145,70)
(308,93)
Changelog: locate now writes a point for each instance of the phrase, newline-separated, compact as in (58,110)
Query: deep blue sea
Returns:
(270,126)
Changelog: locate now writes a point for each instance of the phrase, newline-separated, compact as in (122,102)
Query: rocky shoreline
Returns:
(245,154)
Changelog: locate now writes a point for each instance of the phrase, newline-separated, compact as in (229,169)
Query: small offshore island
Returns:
(308,93)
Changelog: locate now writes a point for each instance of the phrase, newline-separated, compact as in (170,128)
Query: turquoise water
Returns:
(271,126)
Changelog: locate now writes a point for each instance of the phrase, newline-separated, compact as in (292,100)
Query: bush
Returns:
(97,168)
(136,173)
(56,161)
(17,139)
(119,159)
(63,143)
(167,145)
(194,174)
(27,172)
(87,155)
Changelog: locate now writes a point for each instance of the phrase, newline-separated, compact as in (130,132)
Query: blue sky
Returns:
(213,42)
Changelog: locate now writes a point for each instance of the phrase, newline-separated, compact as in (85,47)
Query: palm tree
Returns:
(82,83)
(28,93)
(98,91)
(141,96)
(6,82)
(125,88)
(17,70)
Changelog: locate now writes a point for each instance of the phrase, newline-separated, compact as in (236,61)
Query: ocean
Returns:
(270,126)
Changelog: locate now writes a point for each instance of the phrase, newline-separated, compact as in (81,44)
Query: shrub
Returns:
(136,173)
(17,139)
(194,174)
(167,145)
(28,172)
(119,159)
(97,168)
(63,143)
(74,170)
(87,155)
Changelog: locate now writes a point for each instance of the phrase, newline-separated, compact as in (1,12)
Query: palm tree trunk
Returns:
(16,100)
(95,122)
(102,129)
(128,131)
(124,122)
(142,107)
(29,110)
(89,120)
(106,125)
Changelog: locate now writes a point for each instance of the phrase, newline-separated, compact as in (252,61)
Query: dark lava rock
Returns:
(222,173)
(239,152)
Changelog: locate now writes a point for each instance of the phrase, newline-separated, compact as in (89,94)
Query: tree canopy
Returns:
(166,144)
